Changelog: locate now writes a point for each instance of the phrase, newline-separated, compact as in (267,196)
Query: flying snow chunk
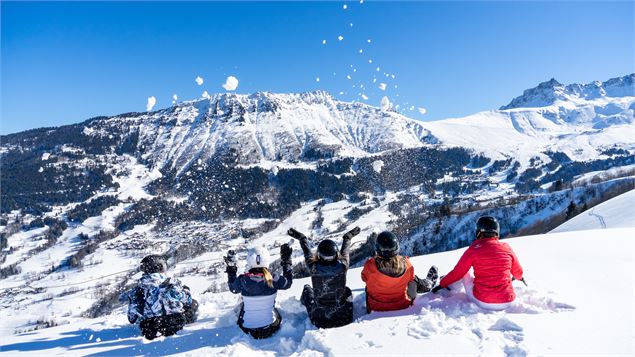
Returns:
(369,41)
(324,42)
(151,102)
(385,103)
(377,165)
(382,86)
(345,7)
(341,93)
(340,37)
(199,80)
(361,51)
(351,24)
(174,97)
(205,95)
(370,61)
(422,110)
(41,169)
(364,97)
(317,79)
(45,156)
(348,76)
(231,83)
(412,107)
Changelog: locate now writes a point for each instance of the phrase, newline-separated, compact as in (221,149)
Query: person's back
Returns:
(387,283)
(159,304)
(494,264)
(329,300)
(391,283)
(258,316)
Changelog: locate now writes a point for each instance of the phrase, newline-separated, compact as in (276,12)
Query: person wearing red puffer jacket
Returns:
(494,264)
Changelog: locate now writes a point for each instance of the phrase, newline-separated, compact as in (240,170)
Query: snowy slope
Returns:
(579,301)
(618,212)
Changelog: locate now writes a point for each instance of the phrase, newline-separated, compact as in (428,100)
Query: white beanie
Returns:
(258,257)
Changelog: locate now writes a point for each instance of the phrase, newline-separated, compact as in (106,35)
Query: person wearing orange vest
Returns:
(391,283)
(495,266)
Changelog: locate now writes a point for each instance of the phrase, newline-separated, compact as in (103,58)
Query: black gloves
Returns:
(437,288)
(295,234)
(230,260)
(521,279)
(285,254)
(352,233)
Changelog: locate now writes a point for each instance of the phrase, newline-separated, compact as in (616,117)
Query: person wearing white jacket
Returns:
(258,316)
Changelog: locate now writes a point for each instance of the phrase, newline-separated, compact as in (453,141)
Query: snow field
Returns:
(564,310)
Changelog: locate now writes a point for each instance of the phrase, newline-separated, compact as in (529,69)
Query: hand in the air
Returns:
(285,252)
(352,233)
(230,258)
(295,234)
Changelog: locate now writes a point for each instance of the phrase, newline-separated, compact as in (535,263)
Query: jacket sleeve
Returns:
(284,282)
(462,267)
(365,271)
(345,252)
(517,270)
(304,244)
(233,281)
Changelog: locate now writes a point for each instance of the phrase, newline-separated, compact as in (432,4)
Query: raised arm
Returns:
(304,243)
(346,245)
(285,281)
(231,270)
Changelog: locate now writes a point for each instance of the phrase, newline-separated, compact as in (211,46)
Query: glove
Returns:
(352,233)
(295,234)
(285,253)
(232,270)
(437,288)
(230,259)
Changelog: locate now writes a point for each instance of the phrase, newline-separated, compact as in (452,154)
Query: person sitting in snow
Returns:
(391,283)
(329,303)
(258,315)
(159,304)
(494,264)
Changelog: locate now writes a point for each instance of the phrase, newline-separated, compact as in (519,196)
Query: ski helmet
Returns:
(488,226)
(258,257)
(153,264)
(386,244)
(327,250)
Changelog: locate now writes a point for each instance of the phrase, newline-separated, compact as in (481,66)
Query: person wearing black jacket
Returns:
(329,303)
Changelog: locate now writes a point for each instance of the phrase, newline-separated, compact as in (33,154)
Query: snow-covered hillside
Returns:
(579,302)
(579,120)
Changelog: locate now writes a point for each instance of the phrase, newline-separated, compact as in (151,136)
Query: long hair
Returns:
(393,266)
(268,278)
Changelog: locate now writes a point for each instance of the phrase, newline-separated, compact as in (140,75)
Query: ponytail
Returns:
(393,266)
(268,278)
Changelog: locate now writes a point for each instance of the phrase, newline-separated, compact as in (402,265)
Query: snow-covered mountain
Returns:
(264,127)
(581,121)
(81,204)
(578,302)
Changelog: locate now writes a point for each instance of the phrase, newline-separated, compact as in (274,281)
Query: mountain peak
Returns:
(547,93)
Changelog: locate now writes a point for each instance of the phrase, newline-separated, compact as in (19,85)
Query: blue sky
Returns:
(66,62)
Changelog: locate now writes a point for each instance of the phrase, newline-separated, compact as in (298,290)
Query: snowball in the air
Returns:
(345,7)
(385,103)
(348,76)
(361,51)
(382,86)
(199,80)
(317,79)
(364,97)
(231,83)
(422,110)
(340,37)
(151,102)
(324,42)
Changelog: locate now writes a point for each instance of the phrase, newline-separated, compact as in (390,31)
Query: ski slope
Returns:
(579,302)
(616,213)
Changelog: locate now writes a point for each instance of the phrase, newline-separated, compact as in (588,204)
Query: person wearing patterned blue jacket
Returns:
(159,304)
(258,315)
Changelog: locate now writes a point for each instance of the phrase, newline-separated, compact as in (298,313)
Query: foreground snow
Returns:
(579,301)
(617,212)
